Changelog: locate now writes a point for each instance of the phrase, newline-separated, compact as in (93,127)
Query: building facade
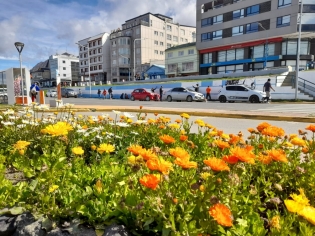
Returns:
(182,60)
(65,66)
(95,58)
(247,35)
(41,73)
(141,42)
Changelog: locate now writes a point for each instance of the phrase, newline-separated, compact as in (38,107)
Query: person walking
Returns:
(161,93)
(104,94)
(99,93)
(153,89)
(196,88)
(267,87)
(110,92)
(208,96)
(34,89)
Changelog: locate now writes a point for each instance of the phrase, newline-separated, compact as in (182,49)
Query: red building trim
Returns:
(241,45)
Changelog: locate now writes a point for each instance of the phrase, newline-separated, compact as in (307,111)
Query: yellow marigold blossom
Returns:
(293,206)
(275,222)
(205,175)
(225,136)
(221,144)
(185,115)
(209,126)
(134,160)
(179,152)
(59,129)
(202,188)
(53,188)
(22,151)
(201,123)
(99,186)
(93,147)
(77,150)
(298,142)
(182,132)
(213,133)
(174,126)
(167,139)
(287,144)
(301,198)
(151,121)
(135,149)
(19,145)
(292,136)
(129,120)
(308,213)
(108,148)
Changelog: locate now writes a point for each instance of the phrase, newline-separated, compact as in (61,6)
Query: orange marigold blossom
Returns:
(273,131)
(278,155)
(147,154)
(135,149)
(243,154)
(217,164)
(262,126)
(178,121)
(311,128)
(221,214)
(167,139)
(265,159)
(160,164)
(150,181)
(179,152)
(230,159)
(221,144)
(185,163)
(251,130)
(183,138)
(234,139)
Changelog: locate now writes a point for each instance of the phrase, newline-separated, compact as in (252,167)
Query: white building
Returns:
(141,42)
(94,55)
(66,66)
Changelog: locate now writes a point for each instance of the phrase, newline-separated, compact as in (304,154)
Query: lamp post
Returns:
(266,46)
(88,48)
(19,46)
(128,58)
(134,56)
(298,54)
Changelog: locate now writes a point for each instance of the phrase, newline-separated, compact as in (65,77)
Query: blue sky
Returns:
(48,27)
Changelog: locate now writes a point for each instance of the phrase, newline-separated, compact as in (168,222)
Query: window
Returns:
(138,50)
(95,67)
(124,51)
(123,61)
(186,40)
(250,28)
(217,19)
(169,37)
(138,31)
(63,61)
(168,45)
(161,34)
(253,10)
(182,32)
(156,33)
(284,3)
(308,8)
(290,47)
(156,52)
(80,48)
(156,42)
(175,38)
(114,62)
(114,43)
(94,59)
(90,44)
(206,22)
(81,63)
(64,75)
(191,51)
(114,53)
(181,39)
(169,28)
(64,68)
(82,70)
(84,62)
(181,53)
(85,55)
(283,21)
(161,53)
(99,50)
(93,43)
(91,60)
(99,42)
(172,67)
(124,41)
(99,58)
(238,14)
(94,51)
(238,30)
(207,58)
(217,35)
(161,44)
(170,54)
(99,67)
(187,66)
(80,55)
(205,37)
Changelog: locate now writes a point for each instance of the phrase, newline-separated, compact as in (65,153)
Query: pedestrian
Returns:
(126,96)
(110,92)
(99,93)
(208,96)
(196,88)
(104,94)
(34,89)
(161,93)
(267,87)
(80,93)
(122,96)
(153,89)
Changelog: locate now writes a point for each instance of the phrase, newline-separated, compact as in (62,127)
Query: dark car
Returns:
(66,92)
(144,95)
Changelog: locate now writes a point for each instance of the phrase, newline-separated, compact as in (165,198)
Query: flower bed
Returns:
(156,177)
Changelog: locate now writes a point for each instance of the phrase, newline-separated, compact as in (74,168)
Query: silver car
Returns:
(65,92)
(183,94)
(51,93)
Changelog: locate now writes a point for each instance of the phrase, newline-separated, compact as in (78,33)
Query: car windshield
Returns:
(70,90)
(247,86)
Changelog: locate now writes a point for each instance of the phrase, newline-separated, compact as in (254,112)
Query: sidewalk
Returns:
(281,116)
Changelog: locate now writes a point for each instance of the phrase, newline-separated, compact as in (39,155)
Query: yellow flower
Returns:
(298,142)
(199,122)
(275,222)
(308,213)
(77,150)
(93,147)
(129,121)
(21,144)
(108,148)
(202,188)
(53,188)
(301,198)
(293,206)
(59,129)
(99,186)
(185,115)
(205,175)
(133,160)
(22,151)
(174,126)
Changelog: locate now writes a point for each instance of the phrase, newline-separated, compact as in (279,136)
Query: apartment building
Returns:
(65,66)
(182,60)
(94,58)
(141,42)
(247,35)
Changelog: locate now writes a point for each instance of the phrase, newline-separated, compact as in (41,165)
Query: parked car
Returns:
(183,94)
(144,95)
(51,93)
(66,92)
(241,92)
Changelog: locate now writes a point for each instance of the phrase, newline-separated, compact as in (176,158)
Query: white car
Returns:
(51,93)
(241,92)
(183,94)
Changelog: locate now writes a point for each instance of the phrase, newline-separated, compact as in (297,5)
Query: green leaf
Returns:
(13,211)
(166,231)
(47,224)
(149,221)
(121,183)
(33,184)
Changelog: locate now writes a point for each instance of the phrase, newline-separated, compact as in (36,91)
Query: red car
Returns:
(144,95)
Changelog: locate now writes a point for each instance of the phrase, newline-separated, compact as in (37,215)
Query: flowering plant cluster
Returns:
(156,177)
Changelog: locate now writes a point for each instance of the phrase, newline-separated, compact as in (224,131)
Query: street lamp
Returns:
(134,55)
(19,46)
(298,54)
(266,46)
(128,58)
(88,48)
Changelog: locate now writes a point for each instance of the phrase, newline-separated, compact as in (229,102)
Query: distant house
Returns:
(41,73)
(155,72)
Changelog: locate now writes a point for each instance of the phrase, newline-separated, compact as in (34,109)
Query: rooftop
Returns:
(186,45)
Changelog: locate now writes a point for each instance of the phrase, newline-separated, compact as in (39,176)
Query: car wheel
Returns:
(169,98)
(75,96)
(132,98)
(222,99)
(147,98)
(254,99)
(189,99)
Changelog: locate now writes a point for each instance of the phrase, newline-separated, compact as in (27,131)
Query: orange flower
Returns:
(251,130)
(150,181)
(265,159)
(167,139)
(185,163)
(162,127)
(273,131)
(221,214)
(292,136)
(156,114)
(147,154)
(179,153)
(278,155)
(221,144)
(135,149)
(262,126)
(178,121)
(217,164)
(243,154)
(311,128)
(234,139)
(230,159)
(183,138)
(160,164)
(141,107)
(175,200)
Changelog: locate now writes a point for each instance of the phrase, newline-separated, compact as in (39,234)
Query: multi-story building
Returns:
(94,56)
(141,42)
(247,35)
(41,73)
(65,66)
(182,60)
